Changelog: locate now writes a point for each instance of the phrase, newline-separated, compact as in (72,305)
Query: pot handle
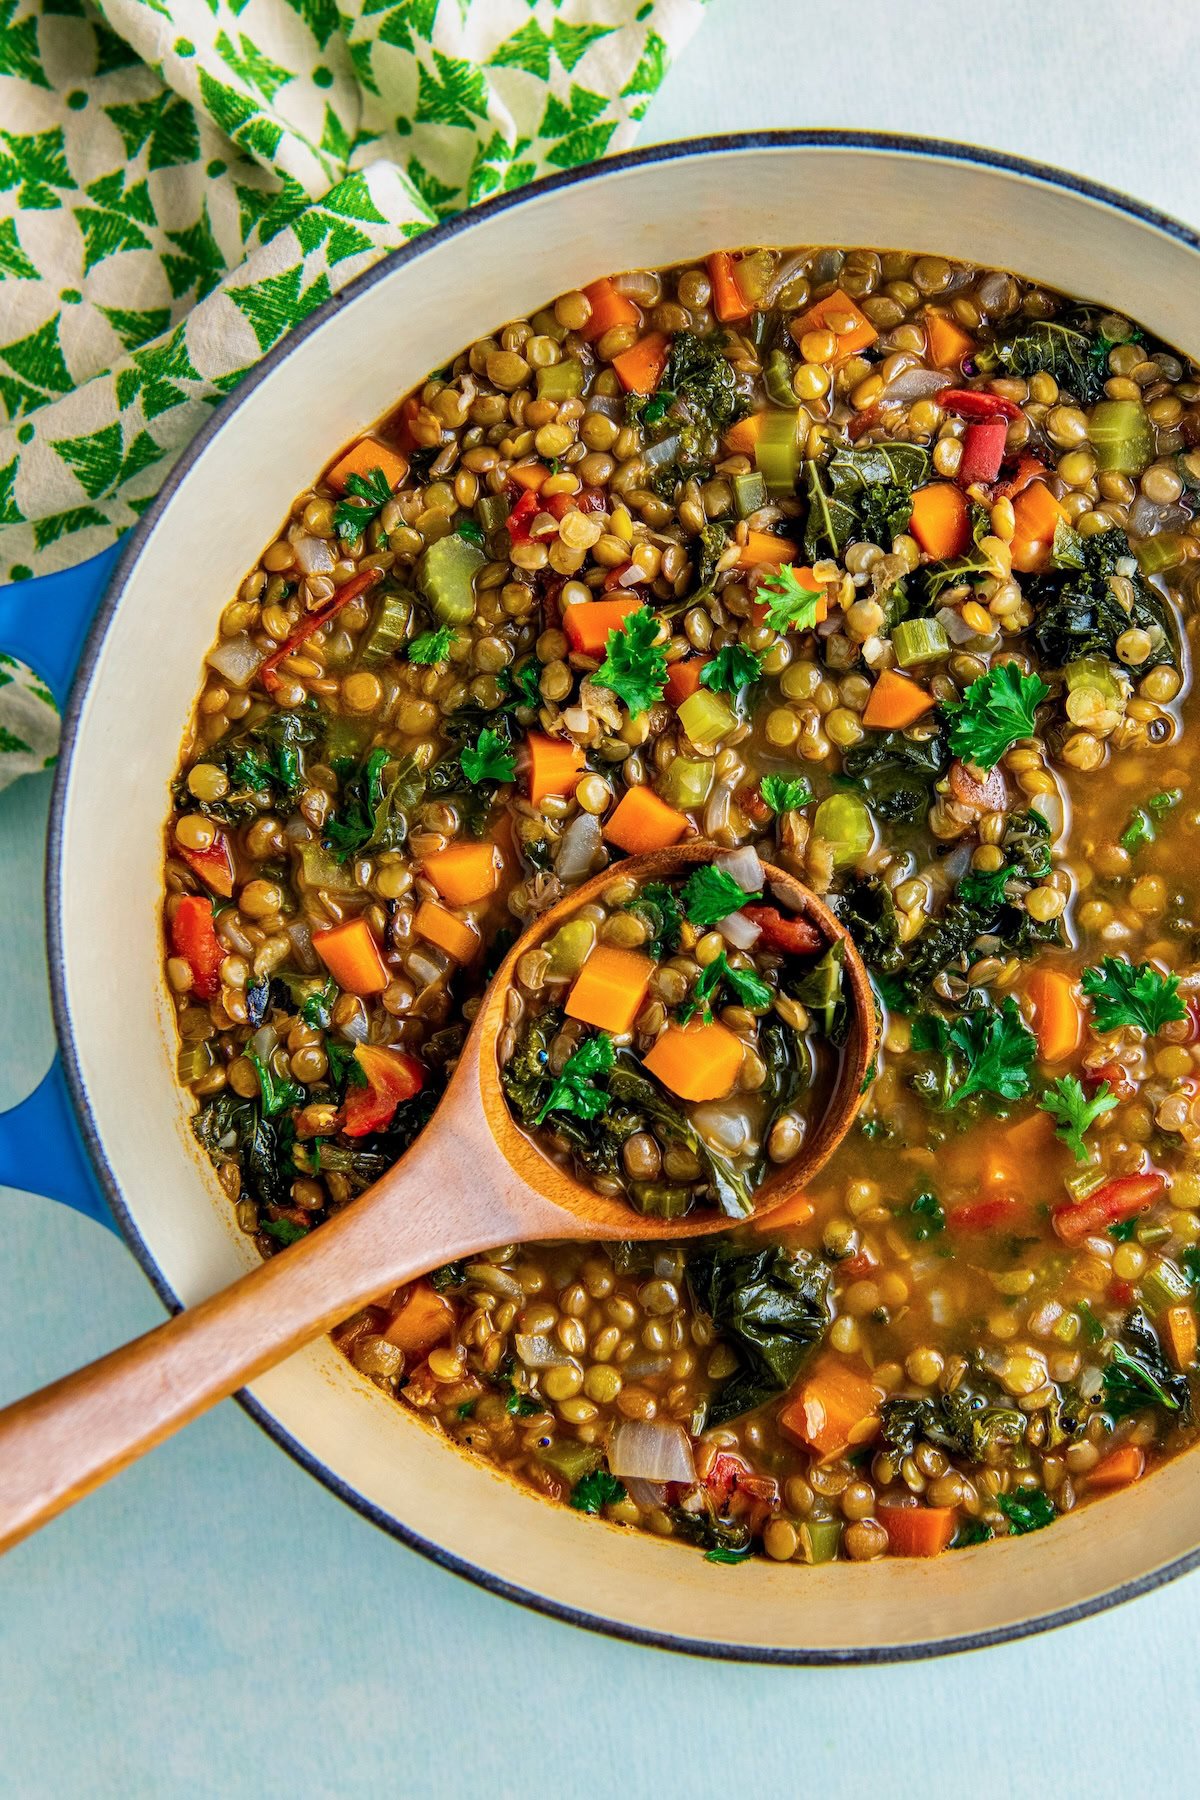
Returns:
(45,623)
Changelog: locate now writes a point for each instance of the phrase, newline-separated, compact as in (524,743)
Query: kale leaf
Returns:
(1138,1375)
(897,772)
(1077,361)
(770,1306)
(862,493)
(1078,614)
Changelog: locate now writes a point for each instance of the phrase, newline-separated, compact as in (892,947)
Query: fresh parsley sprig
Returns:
(635,663)
(575,1090)
(988,1051)
(995,712)
(1066,1102)
(431,647)
(784,793)
(710,895)
(790,605)
(370,494)
(592,1493)
(731,670)
(275,1095)
(1124,993)
(750,989)
(491,758)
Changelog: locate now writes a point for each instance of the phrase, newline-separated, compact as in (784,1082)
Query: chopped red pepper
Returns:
(214,866)
(1005,1210)
(350,590)
(982,451)
(1120,1292)
(796,937)
(193,938)
(972,403)
(858,1265)
(521,518)
(392,1076)
(1124,1197)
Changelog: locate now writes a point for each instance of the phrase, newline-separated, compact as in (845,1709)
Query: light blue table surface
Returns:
(214,1623)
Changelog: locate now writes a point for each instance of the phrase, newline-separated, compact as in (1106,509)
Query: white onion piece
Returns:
(651,1450)
(422,968)
(611,405)
(578,848)
(723,1125)
(716,811)
(739,931)
(237,659)
(954,625)
(913,384)
(656,455)
(646,1493)
(356,1029)
(1145,518)
(301,940)
(539,1352)
(743,865)
(497,1281)
(789,268)
(1053,811)
(265,1042)
(312,553)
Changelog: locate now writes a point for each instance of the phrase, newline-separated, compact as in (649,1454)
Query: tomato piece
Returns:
(214,866)
(1003,1210)
(988,795)
(193,938)
(1124,1197)
(522,516)
(796,937)
(392,1076)
(1120,1081)
(970,403)
(982,451)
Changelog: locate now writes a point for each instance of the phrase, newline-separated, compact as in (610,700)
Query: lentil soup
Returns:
(877,567)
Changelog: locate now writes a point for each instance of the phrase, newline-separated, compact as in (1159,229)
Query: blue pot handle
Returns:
(45,623)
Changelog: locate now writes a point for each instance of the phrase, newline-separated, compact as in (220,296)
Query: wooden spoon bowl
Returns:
(472,1181)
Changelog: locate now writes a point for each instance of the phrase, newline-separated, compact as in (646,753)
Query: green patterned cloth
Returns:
(181,181)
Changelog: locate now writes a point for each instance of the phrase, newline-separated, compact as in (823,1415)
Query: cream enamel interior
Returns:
(366,352)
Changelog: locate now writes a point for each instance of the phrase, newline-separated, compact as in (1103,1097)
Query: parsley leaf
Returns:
(1125,993)
(926,1218)
(522,1406)
(469,529)
(277,1095)
(749,988)
(635,663)
(525,684)
(285,1230)
(1140,829)
(432,647)
(595,1491)
(710,895)
(1027,1510)
(790,605)
(998,1049)
(731,670)
(985,887)
(490,759)
(315,1010)
(574,1091)
(724,1554)
(345,1070)
(783,794)
(995,711)
(374,491)
(1066,1102)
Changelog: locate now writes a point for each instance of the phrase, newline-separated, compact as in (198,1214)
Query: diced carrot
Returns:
(683,678)
(529,475)
(392,1076)
(919,1530)
(193,938)
(946,341)
(742,435)
(836,1405)
(895,702)
(425,1319)
(610,989)
(763,547)
(454,936)
(760,608)
(214,866)
(351,955)
(696,1061)
(787,1215)
(463,873)
(643,822)
(1179,1329)
(588,623)
(729,302)
(1118,1469)
(640,368)
(609,307)
(368,454)
(837,313)
(1028,469)
(555,765)
(1057,1014)
(941,520)
(1037,514)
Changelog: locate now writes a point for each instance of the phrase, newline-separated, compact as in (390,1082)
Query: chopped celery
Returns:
(705,717)
(321,870)
(777,379)
(570,948)
(446,576)
(819,1540)
(1121,436)
(569,1458)
(844,822)
(493,510)
(918,641)
(1150,1234)
(660,1199)
(752,274)
(687,782)
(1096,692)
(777,452)
(561,380)
(1159,555)
(1083,1182)
(749,494)
(388,629)
(194,1060)
(1164,1285)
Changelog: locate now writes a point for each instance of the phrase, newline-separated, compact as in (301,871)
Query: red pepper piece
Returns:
(392,1076)
(796,937)
(982,451)
(1124,1197)
(193,938)
(350,590)
(522,516)
(863,421)
(1005,1210)
(214,866)
(972,403)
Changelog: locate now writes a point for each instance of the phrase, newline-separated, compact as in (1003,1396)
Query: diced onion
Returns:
(496,1280)
(422,968)
(356,1028)
(658,455)
(312,553)
(538,1352)
(265,1042)
(913,384)
(579,847)
(1051,807)
(743,865)
(739,931)
(237,659)
(646,1493)
(651,1450)
(954,625)
(301,940)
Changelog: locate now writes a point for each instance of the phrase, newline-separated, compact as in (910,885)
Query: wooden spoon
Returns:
(472,1181)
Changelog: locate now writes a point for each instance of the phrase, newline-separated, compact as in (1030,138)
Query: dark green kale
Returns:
(596,1491)
(375,800)
(450,1275)
(1138,1375)
(232,1130)
(861,494)
(701,380)
(263,763)
(723,1540)
(822,990)
(1029,1509)
(1078,360)
(1077,612)
(770,1306)
(897,772)
(867,910)
(975,1422)
(657,906)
